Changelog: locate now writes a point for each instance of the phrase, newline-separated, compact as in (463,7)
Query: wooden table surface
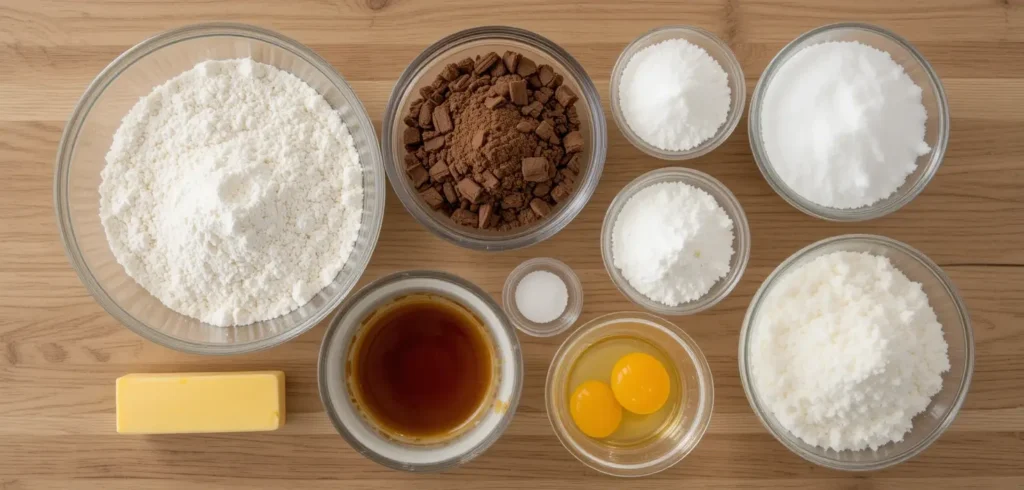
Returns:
(60,352)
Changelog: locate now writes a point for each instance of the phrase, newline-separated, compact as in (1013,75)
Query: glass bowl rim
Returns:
(83,107)
(875,210)
(567,211)
(958,304)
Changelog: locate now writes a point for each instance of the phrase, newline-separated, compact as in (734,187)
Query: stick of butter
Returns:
(180,403)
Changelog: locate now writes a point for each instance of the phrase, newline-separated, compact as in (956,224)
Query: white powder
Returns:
(232,193)
(674,95)
(541,296)
(843,124)
(672,242)
(846,351)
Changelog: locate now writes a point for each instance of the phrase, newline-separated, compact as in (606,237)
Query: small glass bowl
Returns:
(689,423)
(481,40)
(718,50)
(724,197)
(88,135)
(495,413)
(572,309)
(956,328)
(932,96)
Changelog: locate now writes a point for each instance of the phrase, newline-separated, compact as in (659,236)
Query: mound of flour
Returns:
(232,193)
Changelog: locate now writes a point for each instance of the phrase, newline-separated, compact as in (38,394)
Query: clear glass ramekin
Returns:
(740,244)
(471,42)
(494,414)
(89,133)
(956,328)
(932,96)
(688,424)
(719,51)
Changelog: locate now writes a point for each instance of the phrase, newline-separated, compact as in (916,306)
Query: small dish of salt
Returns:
(543,297)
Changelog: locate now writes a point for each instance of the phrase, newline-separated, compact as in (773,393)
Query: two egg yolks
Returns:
(639,383)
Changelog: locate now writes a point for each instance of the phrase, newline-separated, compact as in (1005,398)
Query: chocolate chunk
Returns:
(500,89)
(449,193)
(412,121)
(542,190)
(537,169)
(470,189)
(457,169)
(414,108)
(490,182)
(466,65)
(494,102)
(437,98)
(526,67)
(514,200)
(442,119)
(439,84)
(517,92)
(534,82)
(411,136)
(546,74)
(460,84)
(432,198)
(557,82)
(465,217)
(411,160)
(533,110)
(450,72)
(484,215)
(434,144)
(540,206)
(485,63)
(418,175)
(511,60)
(568,177)
(426,114)
(560,193)
(439,171)
(498,70)
(574,163)
(479,138)
(565,96)
(426,91)
(573,142)
(543,94)
(545,130)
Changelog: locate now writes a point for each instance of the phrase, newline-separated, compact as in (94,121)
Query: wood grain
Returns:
(60,352)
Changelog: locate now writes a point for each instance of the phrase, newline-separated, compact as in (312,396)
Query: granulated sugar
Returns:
(232,193)
(674,95)
(843,124)
(846,350)
(672,242)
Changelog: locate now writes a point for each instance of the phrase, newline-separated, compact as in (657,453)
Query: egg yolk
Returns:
(594,409)
(640,383)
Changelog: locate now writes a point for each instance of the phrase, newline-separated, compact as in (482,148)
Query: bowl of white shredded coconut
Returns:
(219,188)
(857,352)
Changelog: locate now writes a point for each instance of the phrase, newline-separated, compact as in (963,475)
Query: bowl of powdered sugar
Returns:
(219,188)
(857,352)
(849,122)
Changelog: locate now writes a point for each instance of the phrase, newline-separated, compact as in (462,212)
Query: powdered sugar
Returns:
(232,192)
(672,242)
(846,351)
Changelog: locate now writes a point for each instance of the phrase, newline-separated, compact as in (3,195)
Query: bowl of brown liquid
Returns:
(420,371)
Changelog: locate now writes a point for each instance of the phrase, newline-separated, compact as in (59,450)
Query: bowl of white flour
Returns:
(856,352)
(219,188)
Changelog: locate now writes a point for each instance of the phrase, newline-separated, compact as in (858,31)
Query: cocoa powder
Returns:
(470,133)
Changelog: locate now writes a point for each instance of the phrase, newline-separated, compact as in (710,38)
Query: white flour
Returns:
(674,95)
(672,242)
(846,351)
(843,124)
(232,193)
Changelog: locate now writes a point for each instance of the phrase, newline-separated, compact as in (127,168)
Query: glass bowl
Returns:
(494,414)
(956,327)
(932,96)
(688,423)
(88,135)
(740,244)
(471,42)
(718,50)
(572,309)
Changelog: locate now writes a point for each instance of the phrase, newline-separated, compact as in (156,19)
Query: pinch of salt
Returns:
(541,297)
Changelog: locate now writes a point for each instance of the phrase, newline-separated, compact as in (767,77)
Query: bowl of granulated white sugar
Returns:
(857,352)
(219,188)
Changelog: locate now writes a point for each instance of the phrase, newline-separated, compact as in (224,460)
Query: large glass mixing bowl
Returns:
(88,136)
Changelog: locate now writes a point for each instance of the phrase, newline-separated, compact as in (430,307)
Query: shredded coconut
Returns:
(232,192)
(674,95)
(846,351)
(672,242)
